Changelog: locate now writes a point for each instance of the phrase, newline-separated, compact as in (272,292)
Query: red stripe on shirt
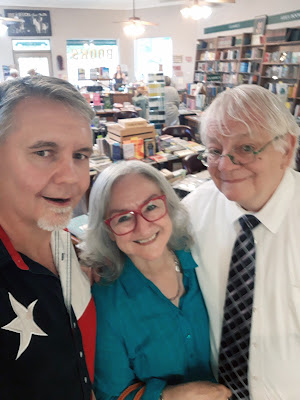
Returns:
(12,251)
(87,326)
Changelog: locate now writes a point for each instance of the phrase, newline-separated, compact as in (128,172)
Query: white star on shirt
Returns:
(23,323)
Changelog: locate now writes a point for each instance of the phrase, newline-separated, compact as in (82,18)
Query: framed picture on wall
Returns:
(259,26)
(35,23)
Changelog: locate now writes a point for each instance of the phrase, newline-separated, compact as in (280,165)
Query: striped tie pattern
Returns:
(235,339)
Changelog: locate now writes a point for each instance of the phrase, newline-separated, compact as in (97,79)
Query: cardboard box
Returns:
(132,122)
(119,130)
(122,139)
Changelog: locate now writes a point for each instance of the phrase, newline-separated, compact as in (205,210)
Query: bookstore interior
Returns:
(126,88)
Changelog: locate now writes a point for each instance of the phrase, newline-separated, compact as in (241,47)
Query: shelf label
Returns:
(213,77)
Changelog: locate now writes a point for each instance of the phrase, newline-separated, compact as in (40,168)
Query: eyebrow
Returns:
(85,150)
(144,202)
(42,144)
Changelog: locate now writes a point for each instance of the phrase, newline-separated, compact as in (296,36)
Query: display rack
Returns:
(156,89)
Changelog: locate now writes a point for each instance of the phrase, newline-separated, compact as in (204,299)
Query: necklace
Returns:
(177,269)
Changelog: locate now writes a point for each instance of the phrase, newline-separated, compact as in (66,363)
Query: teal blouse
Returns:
(141,335)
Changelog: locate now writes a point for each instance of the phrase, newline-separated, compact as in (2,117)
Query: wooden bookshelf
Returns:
(240,59)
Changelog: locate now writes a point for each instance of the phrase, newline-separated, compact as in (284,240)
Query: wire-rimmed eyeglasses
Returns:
(239,155)
(125,222)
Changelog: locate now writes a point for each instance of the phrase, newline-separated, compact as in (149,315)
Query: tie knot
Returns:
(248,221)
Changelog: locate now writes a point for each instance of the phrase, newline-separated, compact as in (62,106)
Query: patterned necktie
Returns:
(234,348)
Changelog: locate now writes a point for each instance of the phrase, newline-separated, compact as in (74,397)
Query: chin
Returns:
(55,221)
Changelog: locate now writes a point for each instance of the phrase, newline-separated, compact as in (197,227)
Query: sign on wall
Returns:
(36,23)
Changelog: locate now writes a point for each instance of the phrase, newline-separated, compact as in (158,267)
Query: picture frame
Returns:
(36,22)
(259,26)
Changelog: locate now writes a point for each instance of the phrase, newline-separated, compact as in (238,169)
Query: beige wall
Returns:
(97,24)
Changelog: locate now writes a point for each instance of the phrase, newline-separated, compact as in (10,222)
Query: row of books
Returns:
(253,53)
(208,56)
(229,55)
(226,67)
(249,67)
(282,71)
(205,66)
(230,79)
(199,77)
(197,103)
(289,57)
(94,73)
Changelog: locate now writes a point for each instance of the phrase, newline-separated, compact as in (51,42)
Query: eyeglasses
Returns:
(126,222)
(240,155)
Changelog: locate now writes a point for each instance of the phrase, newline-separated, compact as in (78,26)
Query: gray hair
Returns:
(100,251)
(167,81)
(59,90)
(253,106)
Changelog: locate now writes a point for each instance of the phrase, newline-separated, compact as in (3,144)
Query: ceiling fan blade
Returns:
(5,19)
(147,23)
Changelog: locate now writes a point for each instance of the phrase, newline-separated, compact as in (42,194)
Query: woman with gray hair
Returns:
(152,320)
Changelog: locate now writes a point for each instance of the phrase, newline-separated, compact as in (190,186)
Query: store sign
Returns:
(90,50)
(230,27)
(31,45)
(286,17)
(273,19)
(83,53)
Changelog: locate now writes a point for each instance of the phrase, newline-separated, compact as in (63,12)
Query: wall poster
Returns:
(36,23)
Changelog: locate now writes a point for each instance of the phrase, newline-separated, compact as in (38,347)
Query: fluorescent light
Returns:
(134,29)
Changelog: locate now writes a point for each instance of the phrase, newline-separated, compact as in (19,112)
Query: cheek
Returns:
(122,243)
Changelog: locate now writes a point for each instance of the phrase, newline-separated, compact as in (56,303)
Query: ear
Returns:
(291,141)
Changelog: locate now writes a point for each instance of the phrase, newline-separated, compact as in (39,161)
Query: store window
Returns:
(91,60)
(32,55)
(153,55)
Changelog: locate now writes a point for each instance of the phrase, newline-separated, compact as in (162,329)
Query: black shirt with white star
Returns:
(41,356)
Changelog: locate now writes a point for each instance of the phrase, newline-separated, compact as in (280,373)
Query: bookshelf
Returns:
(227,61)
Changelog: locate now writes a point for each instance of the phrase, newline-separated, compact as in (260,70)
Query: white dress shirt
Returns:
(274,364)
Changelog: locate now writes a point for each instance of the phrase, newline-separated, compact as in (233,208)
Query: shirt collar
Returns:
(275,210)
(134,281)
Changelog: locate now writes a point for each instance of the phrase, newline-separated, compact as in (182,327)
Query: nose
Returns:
(225,163)
(66,171)
(142,225)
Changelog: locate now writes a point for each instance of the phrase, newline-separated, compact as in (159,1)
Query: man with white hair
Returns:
(246,227)
(47,318)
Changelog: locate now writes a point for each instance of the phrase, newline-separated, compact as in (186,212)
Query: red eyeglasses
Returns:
(151,211)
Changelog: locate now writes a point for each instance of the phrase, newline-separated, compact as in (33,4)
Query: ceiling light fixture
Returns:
(134,29)
(196,11)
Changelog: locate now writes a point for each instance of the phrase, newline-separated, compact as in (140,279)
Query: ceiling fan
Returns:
(9,21)
(136,20)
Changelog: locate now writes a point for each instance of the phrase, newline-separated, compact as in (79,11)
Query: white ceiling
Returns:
(93,4)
